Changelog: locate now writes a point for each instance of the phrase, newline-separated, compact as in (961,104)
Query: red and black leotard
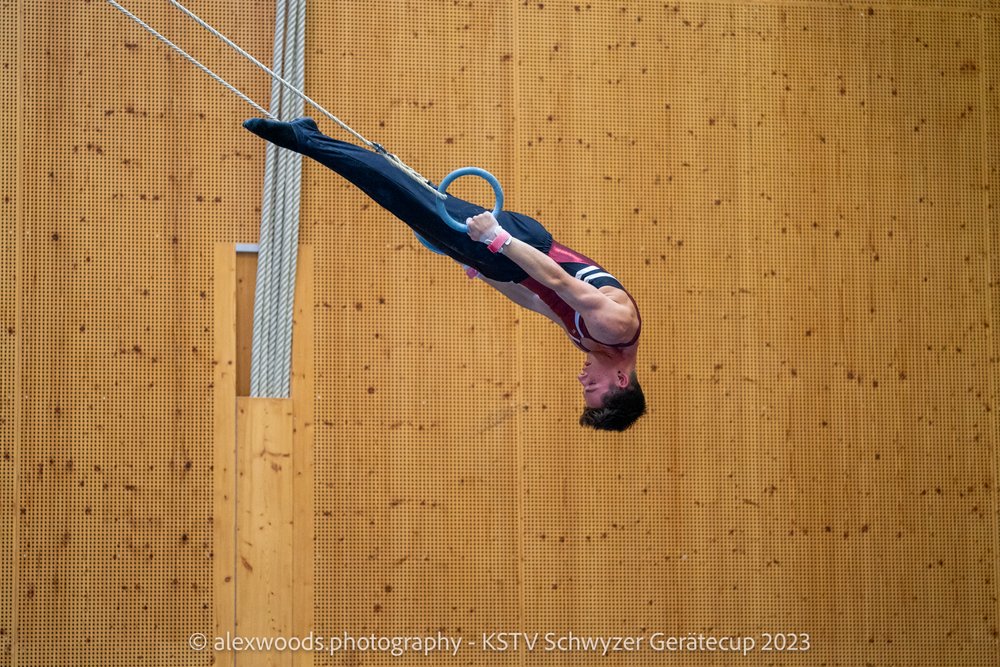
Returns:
(585,269)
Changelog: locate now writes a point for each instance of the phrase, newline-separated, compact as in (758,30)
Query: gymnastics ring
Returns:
(465,171)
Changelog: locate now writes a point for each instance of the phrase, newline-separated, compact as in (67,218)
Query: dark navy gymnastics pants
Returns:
(399,194)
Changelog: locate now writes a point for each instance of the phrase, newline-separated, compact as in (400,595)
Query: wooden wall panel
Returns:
(303,393)
(874,284)
(629,152)
(121,209)
(793,190)
(822,259)
(418,380)
(991,177)
(10,84)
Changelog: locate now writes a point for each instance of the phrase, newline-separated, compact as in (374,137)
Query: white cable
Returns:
(272,73)
(409,171)
(189,58)
(281,196)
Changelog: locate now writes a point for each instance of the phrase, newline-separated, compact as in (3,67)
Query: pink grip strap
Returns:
(499,242)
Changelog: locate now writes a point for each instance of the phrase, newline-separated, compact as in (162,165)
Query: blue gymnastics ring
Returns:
(427,244)
(466,171)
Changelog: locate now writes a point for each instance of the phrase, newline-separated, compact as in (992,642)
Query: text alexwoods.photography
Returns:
(509,642)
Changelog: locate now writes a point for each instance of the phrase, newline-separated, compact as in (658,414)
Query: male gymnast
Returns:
(515,255)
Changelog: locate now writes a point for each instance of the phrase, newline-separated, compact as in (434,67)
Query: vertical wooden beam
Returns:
(224,510)
(302,455)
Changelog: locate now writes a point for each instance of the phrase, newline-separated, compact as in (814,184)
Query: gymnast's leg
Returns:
(399,194)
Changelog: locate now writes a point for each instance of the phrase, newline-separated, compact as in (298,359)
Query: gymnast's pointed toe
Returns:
(307,123)
(277,132)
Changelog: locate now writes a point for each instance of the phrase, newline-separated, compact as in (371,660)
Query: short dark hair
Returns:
(619,410)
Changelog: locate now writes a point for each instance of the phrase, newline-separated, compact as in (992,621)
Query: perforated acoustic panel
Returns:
(8,317)
(419,371)
(802,197)
(127,182)
(798,191)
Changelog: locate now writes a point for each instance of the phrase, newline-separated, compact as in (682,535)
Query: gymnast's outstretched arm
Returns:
(522,296)
(585,299)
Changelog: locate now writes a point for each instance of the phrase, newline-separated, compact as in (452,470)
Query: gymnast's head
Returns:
(611,392)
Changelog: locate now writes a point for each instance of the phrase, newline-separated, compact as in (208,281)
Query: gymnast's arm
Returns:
(522,296)
(590,302)
(583,297)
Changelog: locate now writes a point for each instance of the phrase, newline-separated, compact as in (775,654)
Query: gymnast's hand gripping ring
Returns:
(465,171)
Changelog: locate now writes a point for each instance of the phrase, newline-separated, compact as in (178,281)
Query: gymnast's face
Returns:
(598,377)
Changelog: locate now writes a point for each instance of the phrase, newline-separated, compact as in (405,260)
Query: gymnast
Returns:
(515,255)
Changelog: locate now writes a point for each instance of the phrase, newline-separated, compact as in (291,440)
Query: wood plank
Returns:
(224,451)
(264,524)
(303,398)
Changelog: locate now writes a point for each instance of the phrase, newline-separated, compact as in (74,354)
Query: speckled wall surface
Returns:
(802,196)
(8,290)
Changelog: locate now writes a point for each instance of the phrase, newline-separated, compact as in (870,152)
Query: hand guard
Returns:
(495,237)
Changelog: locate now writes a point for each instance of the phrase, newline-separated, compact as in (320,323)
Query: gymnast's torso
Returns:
(583,268)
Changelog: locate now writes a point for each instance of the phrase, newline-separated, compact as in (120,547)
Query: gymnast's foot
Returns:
(278,132)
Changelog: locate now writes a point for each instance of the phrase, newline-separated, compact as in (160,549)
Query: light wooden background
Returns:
(802,196)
